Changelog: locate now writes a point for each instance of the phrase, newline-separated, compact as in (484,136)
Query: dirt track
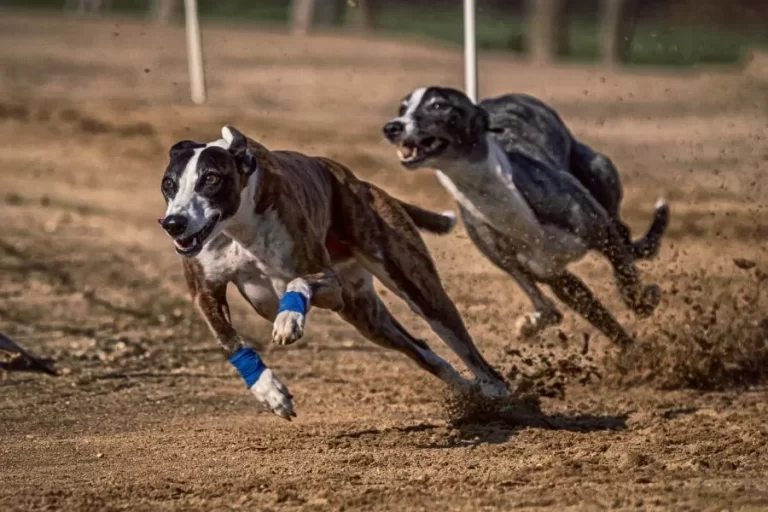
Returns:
(149,416)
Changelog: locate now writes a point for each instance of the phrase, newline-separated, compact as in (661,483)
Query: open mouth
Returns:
(412,153)
(191,245)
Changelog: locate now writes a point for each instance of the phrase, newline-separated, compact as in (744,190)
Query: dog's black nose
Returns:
(175,225)
(393,129)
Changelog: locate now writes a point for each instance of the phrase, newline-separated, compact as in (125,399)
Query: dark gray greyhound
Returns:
(533,198)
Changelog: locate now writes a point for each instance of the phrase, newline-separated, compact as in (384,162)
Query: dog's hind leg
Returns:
(400,260)
(640,299)
(573,292)
(545,312)
(364,310)
(599,175)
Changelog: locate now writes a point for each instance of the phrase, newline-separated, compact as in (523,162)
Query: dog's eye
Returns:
(167,186)
(439,106)
(211,179)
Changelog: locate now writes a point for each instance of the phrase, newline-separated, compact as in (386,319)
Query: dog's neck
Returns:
(258,198)
(478,167)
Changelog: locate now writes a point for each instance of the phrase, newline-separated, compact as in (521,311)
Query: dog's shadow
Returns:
(504,427)
(482,423)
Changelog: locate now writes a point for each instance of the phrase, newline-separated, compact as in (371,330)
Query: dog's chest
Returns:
(223,259)
(488,195)
(268,242)
(485,193)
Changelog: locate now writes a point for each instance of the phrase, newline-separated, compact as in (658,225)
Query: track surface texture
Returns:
(147,415)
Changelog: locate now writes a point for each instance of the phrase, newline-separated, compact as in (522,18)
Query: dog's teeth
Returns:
(407,152)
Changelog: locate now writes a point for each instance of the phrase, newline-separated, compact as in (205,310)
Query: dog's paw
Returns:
(494,389)
(649,301)
(531,324)
(272,394)
(288,327)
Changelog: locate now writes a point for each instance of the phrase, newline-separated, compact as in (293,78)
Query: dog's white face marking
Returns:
(187,202)
(411,105)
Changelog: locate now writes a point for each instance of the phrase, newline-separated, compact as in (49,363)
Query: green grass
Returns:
(654,44)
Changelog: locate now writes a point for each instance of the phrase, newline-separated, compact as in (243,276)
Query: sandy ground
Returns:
(148,416)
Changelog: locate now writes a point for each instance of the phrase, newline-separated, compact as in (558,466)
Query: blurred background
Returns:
(651,32)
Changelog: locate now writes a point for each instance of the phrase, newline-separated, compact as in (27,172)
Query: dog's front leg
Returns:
(211,301)
(322,290)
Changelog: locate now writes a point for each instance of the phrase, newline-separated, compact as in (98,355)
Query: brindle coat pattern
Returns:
(309,221)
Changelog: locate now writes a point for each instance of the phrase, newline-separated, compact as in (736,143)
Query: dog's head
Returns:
(202,187)
(436,124)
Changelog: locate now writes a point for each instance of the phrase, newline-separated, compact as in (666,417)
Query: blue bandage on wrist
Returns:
(293,301)
(249,364)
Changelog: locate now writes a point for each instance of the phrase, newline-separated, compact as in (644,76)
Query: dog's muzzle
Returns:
(176,225)
(412,151)
(393,130)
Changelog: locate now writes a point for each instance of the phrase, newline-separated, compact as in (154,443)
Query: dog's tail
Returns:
(432,222)
(648,246)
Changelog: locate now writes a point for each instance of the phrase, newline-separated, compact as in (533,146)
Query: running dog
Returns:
(532,197)
(294,232)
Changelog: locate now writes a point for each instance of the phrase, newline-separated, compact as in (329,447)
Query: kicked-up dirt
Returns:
(147,414)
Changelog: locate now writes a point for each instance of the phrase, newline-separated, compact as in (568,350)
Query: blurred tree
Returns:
(162,11)
(328,13)
(547,29)
(363,14)
(87,6)
(618,26)
(309,13)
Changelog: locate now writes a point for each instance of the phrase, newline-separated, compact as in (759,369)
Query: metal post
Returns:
(470,50)
(194,52)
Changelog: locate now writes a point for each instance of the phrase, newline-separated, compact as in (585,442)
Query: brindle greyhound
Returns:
(294,232)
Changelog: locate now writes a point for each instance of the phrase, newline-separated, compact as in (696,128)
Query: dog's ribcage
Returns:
(487,192)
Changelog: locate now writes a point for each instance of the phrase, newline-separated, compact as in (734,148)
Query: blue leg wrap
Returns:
(293,301)
(249,364)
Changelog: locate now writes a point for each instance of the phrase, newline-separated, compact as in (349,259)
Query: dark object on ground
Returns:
(25,361)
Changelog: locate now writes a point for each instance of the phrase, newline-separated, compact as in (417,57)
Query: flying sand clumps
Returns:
(712,336)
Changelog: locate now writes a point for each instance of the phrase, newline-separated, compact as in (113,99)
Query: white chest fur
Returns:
(487,192)
(267,240)
(223,259)
(263,235)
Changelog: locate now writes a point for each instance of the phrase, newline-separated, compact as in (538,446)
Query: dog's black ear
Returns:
(183,146)
(238,148)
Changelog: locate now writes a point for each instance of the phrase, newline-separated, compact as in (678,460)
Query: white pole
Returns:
(470,50)
(194,52)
